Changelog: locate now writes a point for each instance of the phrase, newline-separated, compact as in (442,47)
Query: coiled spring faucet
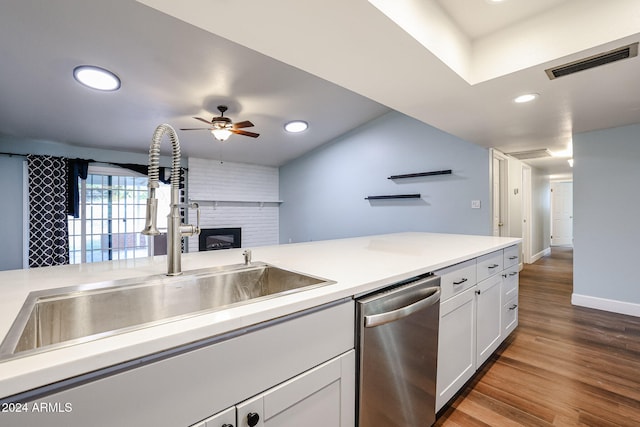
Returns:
(175,230)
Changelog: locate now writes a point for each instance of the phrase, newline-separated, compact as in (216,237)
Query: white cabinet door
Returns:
(509,301)
(456,345)
(488,317)
(321,397)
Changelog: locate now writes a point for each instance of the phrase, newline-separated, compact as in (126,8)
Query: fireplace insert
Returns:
(212,239)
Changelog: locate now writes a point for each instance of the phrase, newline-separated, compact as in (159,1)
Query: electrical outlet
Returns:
(475,204)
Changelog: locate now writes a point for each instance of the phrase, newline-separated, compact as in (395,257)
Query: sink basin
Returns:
(66,316)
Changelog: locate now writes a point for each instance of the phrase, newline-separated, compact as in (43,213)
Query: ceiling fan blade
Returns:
(203,120)
(245,124)
(197,129)
(245,133)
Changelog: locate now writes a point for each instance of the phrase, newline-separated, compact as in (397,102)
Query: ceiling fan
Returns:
(222,127)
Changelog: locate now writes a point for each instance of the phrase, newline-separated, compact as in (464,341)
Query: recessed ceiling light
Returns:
(528,97)
(96,78)
(296,126)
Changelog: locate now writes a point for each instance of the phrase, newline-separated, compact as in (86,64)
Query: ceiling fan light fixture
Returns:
(221,134)
(296,126)
(96,78)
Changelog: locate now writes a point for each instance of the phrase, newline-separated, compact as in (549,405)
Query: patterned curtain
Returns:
(48,230)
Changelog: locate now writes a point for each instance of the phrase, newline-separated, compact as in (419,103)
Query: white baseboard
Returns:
(611,305)
(540,254)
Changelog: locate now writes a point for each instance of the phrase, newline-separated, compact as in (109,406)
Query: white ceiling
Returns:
(454,64)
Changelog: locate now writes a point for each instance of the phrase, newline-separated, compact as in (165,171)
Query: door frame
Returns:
(527,213)
(503,196)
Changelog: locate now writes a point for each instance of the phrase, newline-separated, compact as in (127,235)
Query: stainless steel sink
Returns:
(66,316)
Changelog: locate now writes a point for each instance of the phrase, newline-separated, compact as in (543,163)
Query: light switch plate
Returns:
(475,204)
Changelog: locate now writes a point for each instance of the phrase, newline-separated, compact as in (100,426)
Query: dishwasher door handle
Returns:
(390,316)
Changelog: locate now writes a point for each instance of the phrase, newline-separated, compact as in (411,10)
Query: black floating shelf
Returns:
(416,175)
(394,196)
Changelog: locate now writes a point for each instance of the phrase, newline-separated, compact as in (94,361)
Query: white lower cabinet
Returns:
(322,397)
(488,318)
(475,318)
(456,345)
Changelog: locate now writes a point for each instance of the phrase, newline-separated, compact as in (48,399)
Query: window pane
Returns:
(115,207)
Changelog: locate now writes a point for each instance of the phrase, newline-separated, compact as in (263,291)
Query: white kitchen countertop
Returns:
(357,265)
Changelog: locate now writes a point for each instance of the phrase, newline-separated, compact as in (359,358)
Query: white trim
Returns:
(542,253)
(527,212)
(614,306)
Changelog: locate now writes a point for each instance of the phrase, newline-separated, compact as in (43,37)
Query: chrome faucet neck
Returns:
(175,230)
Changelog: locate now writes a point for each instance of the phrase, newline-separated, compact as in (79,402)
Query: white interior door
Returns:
(561,213)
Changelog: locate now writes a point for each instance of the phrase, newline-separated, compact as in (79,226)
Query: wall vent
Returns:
(531,154)
(614,55)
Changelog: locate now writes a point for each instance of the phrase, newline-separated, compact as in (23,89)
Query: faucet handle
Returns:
(190,230)
(247,256)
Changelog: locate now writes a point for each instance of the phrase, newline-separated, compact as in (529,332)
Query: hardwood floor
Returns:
(562,366)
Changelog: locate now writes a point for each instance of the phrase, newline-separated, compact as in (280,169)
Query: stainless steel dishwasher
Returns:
(397,354)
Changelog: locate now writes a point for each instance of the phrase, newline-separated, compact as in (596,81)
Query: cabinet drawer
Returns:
(489,264)
(456,278)
(509,316)
(511,256)
(510,283)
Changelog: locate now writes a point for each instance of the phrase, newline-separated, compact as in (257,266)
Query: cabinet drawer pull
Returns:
(513,273)
(493,266)
(461,281)
(513,257)
(513,307)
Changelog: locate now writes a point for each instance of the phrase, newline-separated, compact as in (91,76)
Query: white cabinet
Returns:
(456,345)
(475,316)
(322,397)
(488,317)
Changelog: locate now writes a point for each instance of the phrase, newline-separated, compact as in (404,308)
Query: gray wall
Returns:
(606,208)
(11,213)
(324,191)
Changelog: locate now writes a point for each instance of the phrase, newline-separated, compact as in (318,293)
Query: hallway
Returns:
(562,366)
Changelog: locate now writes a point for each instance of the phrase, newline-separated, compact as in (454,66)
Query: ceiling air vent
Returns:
(614,55)
(531,154)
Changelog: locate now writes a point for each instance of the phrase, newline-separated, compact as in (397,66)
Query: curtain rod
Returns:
(3,153)
(13,154)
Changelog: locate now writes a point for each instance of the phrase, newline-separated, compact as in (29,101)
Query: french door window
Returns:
(112,214)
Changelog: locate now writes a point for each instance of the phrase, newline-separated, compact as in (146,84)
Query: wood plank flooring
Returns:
(562,366)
